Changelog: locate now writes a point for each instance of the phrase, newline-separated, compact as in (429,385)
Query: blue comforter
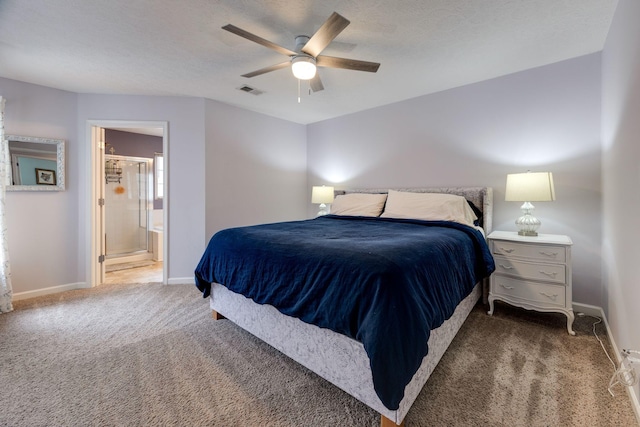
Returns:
(384,282)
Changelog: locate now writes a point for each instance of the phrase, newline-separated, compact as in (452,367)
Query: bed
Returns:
(359,319)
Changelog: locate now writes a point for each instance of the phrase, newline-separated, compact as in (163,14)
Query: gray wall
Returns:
(543,119)
(255,168)
(43,227)
(621,174)
(132,144)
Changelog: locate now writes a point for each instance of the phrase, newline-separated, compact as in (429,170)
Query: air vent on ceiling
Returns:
(250,90)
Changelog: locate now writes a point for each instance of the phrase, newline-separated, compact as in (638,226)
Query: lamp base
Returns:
(324,209)
(527,224)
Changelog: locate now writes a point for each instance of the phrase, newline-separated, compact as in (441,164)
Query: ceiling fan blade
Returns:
(249,36)
(268,69)
(348,64)
(316,83)
(325,34)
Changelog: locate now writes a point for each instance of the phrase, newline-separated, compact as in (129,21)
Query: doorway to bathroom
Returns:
(129,233)
(133,207)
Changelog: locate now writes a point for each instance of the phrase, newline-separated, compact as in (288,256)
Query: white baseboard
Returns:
(81,285)
(48,291)
(181,281)
(592,310)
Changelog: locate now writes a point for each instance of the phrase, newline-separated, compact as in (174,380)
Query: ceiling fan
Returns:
(306,56)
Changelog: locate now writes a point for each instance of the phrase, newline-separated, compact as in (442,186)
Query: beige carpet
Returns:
(133,355)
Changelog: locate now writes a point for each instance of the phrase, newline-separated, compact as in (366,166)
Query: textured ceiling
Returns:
(169,47)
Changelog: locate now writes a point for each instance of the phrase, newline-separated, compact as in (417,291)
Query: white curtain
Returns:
(5,273)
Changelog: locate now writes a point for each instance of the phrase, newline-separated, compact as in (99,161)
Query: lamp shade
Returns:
(530,187)
(322,194)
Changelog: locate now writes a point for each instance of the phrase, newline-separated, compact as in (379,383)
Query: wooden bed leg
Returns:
(216,315)
(386,422)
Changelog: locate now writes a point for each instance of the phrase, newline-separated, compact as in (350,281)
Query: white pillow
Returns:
(358,204)
(429,207)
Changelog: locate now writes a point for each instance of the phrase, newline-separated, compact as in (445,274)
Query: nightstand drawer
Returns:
(555,273)
(548,253)
(534,293)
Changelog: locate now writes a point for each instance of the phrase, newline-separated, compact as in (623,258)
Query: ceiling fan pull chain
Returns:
(298,91)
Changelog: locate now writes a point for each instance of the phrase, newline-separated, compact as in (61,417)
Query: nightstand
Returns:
(532,272)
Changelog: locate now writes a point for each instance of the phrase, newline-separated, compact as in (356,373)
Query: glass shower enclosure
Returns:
(127,203)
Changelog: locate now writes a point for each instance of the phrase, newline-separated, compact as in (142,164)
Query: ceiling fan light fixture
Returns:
(303,67)
(303,59)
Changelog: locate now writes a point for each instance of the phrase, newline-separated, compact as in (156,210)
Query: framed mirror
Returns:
(37,164)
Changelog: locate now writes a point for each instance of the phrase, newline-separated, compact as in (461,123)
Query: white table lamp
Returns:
(323,196)
(529,187)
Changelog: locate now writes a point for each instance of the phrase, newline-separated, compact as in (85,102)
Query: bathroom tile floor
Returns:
(148,274)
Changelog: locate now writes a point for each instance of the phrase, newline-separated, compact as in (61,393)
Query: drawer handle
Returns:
(506,267)
(549,254)
(549,273)
(552,297)
(506,250)
(506,287)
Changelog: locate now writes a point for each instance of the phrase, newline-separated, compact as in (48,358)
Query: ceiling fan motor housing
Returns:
(300,42)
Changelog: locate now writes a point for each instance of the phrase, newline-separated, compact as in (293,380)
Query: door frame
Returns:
(94,186)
